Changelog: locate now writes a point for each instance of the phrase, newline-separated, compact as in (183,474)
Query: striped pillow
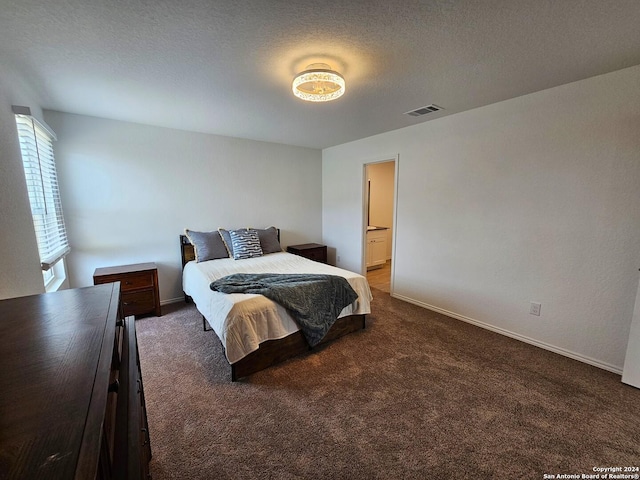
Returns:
(246,244)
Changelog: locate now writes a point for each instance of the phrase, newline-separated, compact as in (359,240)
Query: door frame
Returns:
(363,223)
(631,368)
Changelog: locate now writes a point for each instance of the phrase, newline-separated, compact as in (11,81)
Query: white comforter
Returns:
(242,321)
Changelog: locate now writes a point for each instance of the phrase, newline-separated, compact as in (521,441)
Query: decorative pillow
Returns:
(268,240)
(226,239)
(207,245)
(246,244)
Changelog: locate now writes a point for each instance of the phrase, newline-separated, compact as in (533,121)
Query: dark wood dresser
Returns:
(312,251)
(72,403)
(139,284)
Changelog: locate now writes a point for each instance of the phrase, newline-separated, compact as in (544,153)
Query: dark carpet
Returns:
(415,395)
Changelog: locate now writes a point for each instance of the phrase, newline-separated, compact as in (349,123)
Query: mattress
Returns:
(243,321)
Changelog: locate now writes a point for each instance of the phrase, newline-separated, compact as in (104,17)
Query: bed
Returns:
(255,331)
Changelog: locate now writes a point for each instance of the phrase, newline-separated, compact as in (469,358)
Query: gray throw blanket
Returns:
(314,301)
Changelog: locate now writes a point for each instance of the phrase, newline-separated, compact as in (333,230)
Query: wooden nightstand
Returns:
(312,251)
(138,284)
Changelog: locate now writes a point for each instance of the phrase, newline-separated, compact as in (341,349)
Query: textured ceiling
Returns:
(226,67)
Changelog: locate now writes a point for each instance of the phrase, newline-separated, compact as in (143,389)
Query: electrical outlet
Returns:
(338,258)
(534,309)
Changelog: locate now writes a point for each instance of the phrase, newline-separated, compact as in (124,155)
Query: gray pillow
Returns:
(207,245)
(226,238)
(246,244)
(269,240)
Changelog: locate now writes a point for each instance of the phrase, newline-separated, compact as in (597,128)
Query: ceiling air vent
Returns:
(424,110)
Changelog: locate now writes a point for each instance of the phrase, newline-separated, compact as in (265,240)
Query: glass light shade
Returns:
(318,83)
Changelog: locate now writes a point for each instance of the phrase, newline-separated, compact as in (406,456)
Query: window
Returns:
(36,146)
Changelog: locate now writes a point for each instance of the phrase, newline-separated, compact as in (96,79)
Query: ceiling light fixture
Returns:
(318,83)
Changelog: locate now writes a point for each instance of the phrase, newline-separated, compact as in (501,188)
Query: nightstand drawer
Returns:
(133,281)
(137,303)
(317,254)
(128,281)
(312,251)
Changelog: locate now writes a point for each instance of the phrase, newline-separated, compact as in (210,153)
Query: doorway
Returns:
(379,222)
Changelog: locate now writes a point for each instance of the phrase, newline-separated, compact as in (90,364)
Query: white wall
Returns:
(20,272)
(129,191)
(532,199)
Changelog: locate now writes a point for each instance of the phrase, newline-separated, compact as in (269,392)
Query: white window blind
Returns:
(36,145)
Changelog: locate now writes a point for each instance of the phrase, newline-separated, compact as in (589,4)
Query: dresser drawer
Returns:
(132,452)
(137,303)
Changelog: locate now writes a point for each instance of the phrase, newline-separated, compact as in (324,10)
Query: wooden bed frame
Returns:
(273,352)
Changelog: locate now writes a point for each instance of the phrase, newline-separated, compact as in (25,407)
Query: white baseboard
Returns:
(517,336)
(171,300)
